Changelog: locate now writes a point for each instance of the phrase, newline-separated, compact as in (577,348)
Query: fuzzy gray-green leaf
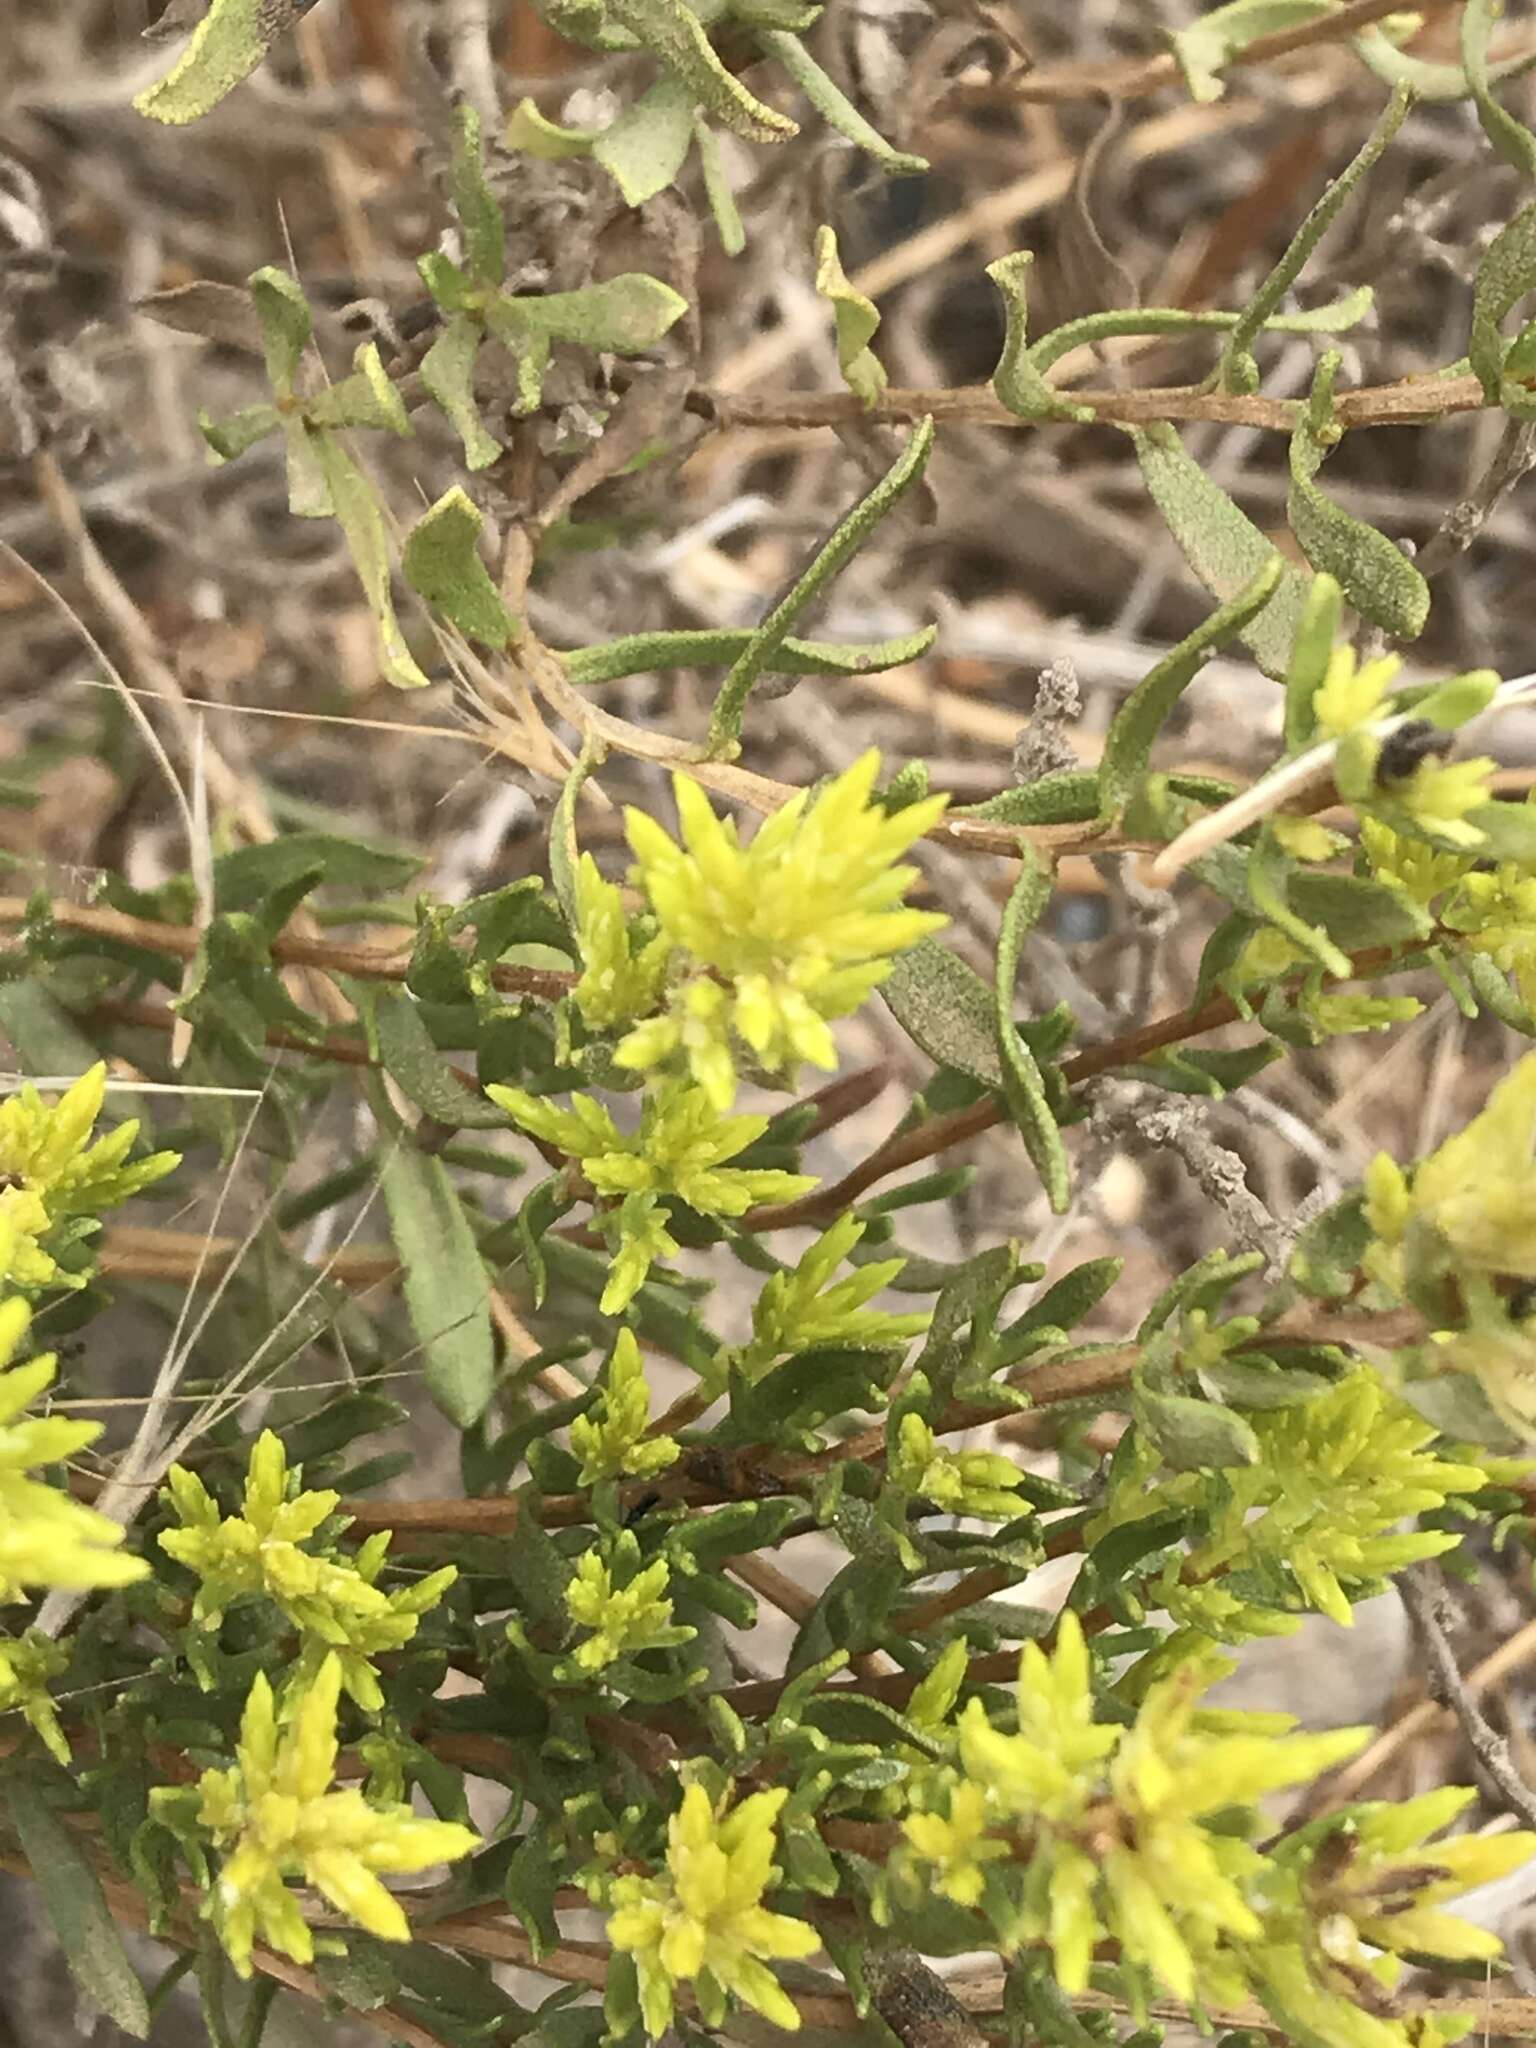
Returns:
(647,145)
(833,105)
(362,522)
(72,1894)
(223,50)
(441,562)
(1023,1084)
(448,372)
(443,1280)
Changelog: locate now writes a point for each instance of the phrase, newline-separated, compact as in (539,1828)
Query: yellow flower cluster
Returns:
(703,1921)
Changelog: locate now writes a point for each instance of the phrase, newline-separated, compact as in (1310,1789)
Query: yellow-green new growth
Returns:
(624,1619)
(1472,1202)
(26,1665)
(51,1173)
(611,1442)
(1324,1502)
(46,1539)
(273,1815)
(1108,1821)
(804,1307)
(978,1483)
(617,984)
(782,935)
(333,1602)
(680,1148)
(703,1920)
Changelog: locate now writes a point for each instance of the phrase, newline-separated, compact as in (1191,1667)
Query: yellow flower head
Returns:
(46,1539)
(980,1483)
(782,935)
(1351,694)
(624,1618)
(273,1815)
(611,1442)
(703,1920)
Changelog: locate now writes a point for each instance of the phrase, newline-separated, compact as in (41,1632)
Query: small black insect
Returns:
(1403,750)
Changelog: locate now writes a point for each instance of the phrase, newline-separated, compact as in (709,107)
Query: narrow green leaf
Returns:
(850,535)
(247,877)
(71,1893)
(1316,631)
(362,522)
(424,1076)
(1338,315)
(485,237)
(1377,578)
(1426,80)
(834,106)
(627,314)
(365,399)
(1238,372)
(442,564)
(1208,45)
(1356,912)
(448,372)
(533,1878)
(443,1279)
(1142,716)
(1193,1435)
(1023,1083)
(648,144)
(673,32)
(535,135)
(1268,874)
(241,430)
(1221,544)
(563,850)
(717,189)
(286,325)
(1067,796)
(223,50)
(1017,382)
(639,653)
(947,1009)
(1511,138)
(1504,276)
(857,319)
(309,489)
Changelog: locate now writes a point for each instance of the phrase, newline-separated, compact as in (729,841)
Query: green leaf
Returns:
(1062,1306)
(365,399)
(71,1893)
(1504,276)
(1018,382)
(448,372)
(444,1281)
(286,325)
(1270,870)
(1356,911)
(224,49)
(717,189)
(1208,45)
(1023,1083)
(231,437)
(639,653)
(845,542)
(673,32)
(362,522)
(1193,1435)
(807,1390)
(857,319)
(1316,631)
(1511,138)
(648,144)
(1238,372)
(414,1062)
(484,235)
(533,1878)
(535,135)
(1142,716)
(947,1009)
(627,314)
(1068,796)
(244,879)
(1426,80)
(442,564)
(1377,578)
(1221,544)
(833,106)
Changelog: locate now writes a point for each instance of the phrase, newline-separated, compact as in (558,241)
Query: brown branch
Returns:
(1422,1591)
(363,963)
(1412,402)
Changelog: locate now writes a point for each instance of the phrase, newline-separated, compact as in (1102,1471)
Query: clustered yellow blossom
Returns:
(626,1614)
(611,1441)
(1352,692)
(680,1149)
(46,1538)
(617,984)
(261,1551)
(780,936)
(702,1921)
(52,1177)
(274,1815)
(26,1666)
